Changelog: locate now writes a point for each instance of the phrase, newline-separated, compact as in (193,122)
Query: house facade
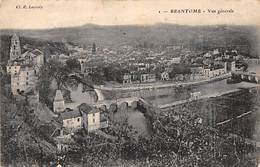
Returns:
(71,119)
(165,76)
(93,120)
(23,79)
(127,79)
(148,78)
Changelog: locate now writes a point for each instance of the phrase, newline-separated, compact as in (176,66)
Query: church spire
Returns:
(94,49)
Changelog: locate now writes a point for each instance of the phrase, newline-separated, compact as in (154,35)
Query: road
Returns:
(159,84)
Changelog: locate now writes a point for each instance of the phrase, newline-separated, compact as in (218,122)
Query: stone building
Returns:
(84,116)
(24,79)
(148,78)
(165,76)
(233,66)
(127,79)
(23,68)
(91,117)
(71,120)
(209,73)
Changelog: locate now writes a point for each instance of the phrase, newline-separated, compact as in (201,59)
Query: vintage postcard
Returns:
(130,83)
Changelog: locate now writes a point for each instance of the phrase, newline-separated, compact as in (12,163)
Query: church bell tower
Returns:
(15,49)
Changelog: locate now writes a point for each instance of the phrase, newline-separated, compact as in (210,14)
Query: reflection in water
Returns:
(240,109)
(136,119)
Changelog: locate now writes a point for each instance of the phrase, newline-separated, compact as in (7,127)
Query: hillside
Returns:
(159,34)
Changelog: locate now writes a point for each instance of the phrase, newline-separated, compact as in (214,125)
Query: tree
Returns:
(73,65)
(45,92)
(5,80)
(58,71)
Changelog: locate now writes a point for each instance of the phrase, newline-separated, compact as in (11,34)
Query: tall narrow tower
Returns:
(94,49)
(15,49)
(58,103)
(226,67)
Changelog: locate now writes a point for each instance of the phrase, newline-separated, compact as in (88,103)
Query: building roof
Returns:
(69,113)
(58,96)
(87,108)
(36,52)
(15,36)
(32,53)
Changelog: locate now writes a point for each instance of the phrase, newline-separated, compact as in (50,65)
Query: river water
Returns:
(238,104)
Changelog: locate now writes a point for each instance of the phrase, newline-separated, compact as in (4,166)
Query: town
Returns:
(96,106)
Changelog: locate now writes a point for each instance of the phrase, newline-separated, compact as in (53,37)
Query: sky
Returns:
(69,13)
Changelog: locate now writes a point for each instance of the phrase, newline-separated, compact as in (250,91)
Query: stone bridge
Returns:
(121,101)
(246,76)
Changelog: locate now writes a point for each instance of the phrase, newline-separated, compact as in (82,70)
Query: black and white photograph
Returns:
(130,83)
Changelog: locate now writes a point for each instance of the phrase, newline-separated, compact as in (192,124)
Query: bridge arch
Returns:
(112,107)
(134,104)
(123,105)
(99,94)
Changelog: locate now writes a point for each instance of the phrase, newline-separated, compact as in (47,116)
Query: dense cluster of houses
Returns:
(197,73)
(151,65)
(150,70)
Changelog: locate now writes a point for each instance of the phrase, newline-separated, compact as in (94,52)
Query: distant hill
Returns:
(159,34)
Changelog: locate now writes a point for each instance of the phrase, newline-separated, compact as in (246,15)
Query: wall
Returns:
(24,80)
(93,121)
(58,106)
(73,123)
(13,69)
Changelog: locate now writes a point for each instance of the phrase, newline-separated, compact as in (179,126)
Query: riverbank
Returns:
(210,90)
(158,85)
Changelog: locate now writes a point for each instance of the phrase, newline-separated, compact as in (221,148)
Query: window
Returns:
(69,121)
(78,119)
(17,83)
(93,114)
(26,78)
(27,73)
(93,120)
(26,83)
